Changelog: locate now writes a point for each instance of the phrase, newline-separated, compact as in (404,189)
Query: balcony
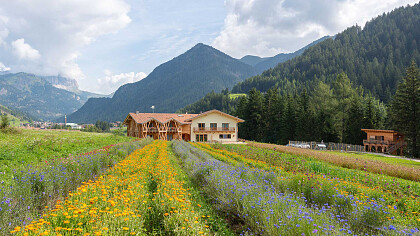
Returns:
(173,130)
(209,130)
(380,142)
(151,130)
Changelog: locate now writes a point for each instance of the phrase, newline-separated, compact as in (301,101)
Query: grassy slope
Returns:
(397,167)
(387,159)
(31,146)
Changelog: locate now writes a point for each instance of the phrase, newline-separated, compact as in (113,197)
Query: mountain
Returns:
(71,85)
(374,57)
(261,64)
(170,86)
(38,97)
(252,60)
(62,82)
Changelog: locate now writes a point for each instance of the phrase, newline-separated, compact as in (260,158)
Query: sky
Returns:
(104,44)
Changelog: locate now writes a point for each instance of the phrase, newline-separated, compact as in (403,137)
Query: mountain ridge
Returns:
(38,97)
(170,86)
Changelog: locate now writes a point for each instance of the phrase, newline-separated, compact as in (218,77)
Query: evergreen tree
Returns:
(405,110)
(271,115)
(255,114)
(304,123)
(353,133)
(242,112)
(4,121)
(343,91)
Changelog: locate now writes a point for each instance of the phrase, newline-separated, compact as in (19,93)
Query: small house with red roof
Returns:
(210,126)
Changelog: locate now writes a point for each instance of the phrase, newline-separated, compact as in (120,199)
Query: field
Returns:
(34,146)
(179,188)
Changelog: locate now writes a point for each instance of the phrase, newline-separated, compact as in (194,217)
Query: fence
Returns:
(328,146)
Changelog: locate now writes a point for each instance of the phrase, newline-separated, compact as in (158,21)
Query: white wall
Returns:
(219,119)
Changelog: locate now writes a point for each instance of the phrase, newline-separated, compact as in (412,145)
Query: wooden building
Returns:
(209,126)
(384,141)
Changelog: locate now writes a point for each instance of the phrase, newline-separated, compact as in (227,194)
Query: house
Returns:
(385,141)
(209,126)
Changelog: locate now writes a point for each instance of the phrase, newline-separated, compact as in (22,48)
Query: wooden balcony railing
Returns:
(210,129)
(374,141)
(155,130)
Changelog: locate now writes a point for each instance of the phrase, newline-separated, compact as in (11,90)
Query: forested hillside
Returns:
(374,57)
(37,97)
(333,89)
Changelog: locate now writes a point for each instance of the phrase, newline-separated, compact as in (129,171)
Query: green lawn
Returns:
(32,146)
(236,95)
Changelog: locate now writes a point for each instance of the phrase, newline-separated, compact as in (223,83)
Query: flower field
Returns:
(37,187)
(179,188)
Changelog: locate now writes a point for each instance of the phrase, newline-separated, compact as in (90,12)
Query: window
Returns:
(169,137)
(224,136)
(151,125)
(201,126)
(171,124)
(213,126)
(201,138)
(225,126)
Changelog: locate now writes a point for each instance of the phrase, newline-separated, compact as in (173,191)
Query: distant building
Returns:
(209,126)
(385,141)
(74,125)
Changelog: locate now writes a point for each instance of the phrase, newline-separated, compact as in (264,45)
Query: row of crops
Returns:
(178,188)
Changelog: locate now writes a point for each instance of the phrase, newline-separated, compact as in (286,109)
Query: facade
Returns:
(385,141)
(210,126)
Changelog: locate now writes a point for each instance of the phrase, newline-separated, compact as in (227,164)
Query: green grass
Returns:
(236,95)
(33,146)
(370,156)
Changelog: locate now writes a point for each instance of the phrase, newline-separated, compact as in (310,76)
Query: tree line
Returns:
(332,113)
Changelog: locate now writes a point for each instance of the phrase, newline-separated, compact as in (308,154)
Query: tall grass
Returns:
(374,166)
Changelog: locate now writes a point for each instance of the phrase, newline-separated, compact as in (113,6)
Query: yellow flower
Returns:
(125,228)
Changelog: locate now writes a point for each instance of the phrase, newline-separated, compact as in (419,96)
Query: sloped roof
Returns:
(382,131)
(214,111)
(141,118)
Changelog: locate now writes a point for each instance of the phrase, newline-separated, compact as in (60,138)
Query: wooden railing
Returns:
(374,141)
(155,130)
(211,129)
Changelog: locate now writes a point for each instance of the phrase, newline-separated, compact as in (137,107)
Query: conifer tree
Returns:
(405,109)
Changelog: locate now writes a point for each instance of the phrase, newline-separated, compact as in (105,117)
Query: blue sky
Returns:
(104,44)
(158,32)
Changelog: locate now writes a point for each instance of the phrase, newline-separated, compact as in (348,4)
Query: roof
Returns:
(381,131)
(215,111)
(141,118)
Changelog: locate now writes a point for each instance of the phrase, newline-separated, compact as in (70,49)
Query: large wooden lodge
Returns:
(209,126)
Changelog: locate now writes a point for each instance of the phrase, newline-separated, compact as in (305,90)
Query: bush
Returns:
(4,122)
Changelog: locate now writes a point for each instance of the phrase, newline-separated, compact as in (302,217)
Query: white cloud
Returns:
(111,82)
(3,68)
(268,27)
(54,32)
(24,51)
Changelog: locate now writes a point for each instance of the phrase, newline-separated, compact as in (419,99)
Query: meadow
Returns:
(34,146)
(179,188)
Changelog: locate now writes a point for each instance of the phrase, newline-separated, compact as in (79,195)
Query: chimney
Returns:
(137,112)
